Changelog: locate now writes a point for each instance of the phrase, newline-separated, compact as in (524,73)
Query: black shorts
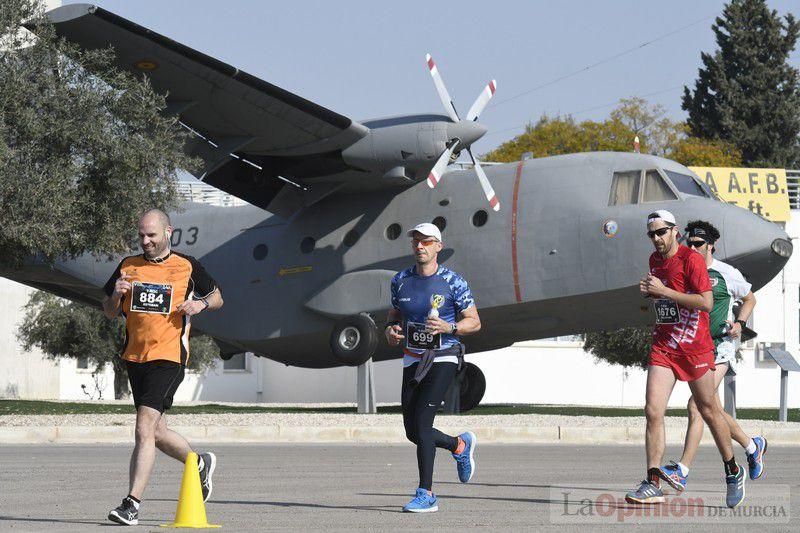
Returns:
(153,384)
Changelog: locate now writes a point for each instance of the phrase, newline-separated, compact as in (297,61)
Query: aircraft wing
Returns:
(278,139)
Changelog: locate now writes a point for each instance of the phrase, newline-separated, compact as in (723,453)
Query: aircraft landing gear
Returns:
(354,339)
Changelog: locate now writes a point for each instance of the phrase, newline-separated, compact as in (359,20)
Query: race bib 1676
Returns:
(666,311)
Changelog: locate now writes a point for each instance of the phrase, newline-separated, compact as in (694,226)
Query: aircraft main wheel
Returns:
(473,386)
(354,339)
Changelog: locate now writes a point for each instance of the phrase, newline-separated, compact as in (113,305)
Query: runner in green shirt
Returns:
(728,285)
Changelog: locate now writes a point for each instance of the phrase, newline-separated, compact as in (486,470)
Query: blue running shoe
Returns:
(735,484)
(422,503)
(755,462)
(646,493)
(465,461)
(671,473)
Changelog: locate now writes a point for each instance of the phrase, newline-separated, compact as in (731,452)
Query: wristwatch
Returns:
(205,303)
(455,329)
(741,323)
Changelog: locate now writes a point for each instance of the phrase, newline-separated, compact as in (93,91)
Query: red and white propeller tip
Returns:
(488,191)
(444,96)
(480,102)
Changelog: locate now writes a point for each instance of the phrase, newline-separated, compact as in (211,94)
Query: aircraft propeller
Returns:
(465,132)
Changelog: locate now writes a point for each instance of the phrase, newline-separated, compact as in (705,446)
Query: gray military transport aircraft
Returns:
(306,268)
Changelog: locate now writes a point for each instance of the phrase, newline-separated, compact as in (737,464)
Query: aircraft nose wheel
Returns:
(354,339)
(349,338)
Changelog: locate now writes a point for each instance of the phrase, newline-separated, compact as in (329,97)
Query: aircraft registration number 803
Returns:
(151,298)
(418,337)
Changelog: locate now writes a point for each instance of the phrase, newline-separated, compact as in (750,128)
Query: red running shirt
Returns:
(689,333)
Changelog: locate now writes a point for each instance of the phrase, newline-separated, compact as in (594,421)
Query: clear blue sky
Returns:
(365,59)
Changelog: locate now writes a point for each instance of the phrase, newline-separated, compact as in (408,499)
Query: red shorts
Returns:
(686,367)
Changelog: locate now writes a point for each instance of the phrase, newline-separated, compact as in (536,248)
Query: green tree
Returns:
(626,347)
(747,93)
(633,116)
(85,147)
(694,152)
(562,135)
(64,329)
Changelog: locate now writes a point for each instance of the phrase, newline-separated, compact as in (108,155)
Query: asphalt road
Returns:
(363,487)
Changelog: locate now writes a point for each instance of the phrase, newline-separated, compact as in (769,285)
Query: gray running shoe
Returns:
(209,464)
(126,514)
(646,493)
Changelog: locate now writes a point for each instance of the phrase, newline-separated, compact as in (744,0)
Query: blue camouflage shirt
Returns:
(411,295)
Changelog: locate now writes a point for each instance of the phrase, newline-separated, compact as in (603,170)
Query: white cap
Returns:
(662,214)
(427,229)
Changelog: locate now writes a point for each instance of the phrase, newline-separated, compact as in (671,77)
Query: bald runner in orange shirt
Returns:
(157,292)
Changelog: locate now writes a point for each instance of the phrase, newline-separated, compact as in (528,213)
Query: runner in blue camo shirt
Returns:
(431,306)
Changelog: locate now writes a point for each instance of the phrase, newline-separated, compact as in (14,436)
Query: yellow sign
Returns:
(761,190)
(294,270)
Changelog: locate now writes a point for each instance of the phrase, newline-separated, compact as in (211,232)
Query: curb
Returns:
(371,434)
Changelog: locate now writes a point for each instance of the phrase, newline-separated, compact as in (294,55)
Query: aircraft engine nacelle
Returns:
(403,150)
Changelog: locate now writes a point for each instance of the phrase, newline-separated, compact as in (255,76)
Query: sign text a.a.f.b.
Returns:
(761,190)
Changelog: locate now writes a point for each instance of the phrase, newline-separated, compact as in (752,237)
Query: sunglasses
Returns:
(695,244)
(660,232)
(417,242)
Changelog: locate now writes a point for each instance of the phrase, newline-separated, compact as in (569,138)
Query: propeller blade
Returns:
(441,89)
(435,175)
(485,185)
(482,100)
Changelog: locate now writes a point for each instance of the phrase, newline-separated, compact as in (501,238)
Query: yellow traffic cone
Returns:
(191,510)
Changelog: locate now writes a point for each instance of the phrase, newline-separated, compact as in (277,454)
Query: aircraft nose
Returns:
(466,130)
(757,247)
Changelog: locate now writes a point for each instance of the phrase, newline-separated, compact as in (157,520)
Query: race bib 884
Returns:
(151,298)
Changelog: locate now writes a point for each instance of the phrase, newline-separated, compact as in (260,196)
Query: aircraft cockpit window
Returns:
(625,188)
(656,189)
(686,184)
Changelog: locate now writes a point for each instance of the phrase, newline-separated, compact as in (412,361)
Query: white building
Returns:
(555,371)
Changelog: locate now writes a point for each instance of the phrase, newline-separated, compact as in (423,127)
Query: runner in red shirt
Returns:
(680,289)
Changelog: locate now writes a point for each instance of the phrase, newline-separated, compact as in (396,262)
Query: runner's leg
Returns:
(408,397)
(694,433)
(144,451)
(704,393)
(171,443)
(660,382)
(430,395)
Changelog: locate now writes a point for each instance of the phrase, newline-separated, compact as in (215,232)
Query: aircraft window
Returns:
(260,252)
(440,223)
(656,189)
(625,188)
(479,218)
(307,245)
(393,231)
(351,237)
(686,184)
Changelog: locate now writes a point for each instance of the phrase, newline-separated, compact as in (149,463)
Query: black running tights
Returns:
(419,409)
